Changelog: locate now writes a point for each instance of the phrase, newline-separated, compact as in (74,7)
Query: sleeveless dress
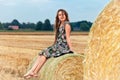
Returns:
(60,47)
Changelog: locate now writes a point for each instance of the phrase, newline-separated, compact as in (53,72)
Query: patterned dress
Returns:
(60,47)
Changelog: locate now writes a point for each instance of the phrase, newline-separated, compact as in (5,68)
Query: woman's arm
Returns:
(68,30)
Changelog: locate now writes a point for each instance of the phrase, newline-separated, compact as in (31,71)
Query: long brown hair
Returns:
(58,22)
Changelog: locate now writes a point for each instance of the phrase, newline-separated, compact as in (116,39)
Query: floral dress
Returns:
(60,47)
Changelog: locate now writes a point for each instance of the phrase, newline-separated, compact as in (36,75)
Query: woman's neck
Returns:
(62,22)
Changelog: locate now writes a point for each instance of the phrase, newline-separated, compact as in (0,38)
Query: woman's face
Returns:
(61,16)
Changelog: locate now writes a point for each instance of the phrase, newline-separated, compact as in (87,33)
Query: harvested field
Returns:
(17,51)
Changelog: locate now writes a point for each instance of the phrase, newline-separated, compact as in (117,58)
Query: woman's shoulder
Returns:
(66,22)
(67,25)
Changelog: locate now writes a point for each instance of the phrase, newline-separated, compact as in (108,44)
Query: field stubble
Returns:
(17,51)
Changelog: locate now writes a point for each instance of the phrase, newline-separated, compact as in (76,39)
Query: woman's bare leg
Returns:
(41,63)
(38,64)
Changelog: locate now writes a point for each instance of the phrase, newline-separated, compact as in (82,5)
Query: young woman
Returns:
(62,44)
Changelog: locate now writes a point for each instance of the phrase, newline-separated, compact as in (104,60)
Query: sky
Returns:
(39,10)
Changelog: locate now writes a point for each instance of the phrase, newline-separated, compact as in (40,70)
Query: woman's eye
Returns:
(59,14)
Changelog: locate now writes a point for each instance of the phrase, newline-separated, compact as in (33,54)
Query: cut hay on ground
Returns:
(67,67)
(17,51)
(102,60)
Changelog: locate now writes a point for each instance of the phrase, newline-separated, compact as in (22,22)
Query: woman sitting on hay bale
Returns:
(61,46)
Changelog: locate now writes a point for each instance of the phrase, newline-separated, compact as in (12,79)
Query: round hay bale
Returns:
(66,67)
(102,61)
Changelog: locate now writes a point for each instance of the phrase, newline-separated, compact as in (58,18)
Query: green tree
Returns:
(72,26)
(5,25)
(47,25)
(1,26)
(23,25)
(84,26)
(39,26)
(15,22)
(30,25)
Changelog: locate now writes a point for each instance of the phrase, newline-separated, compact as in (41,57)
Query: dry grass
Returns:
(17,51)
(103,53)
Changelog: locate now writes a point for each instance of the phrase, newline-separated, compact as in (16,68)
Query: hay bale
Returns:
(102,60)
(67,67)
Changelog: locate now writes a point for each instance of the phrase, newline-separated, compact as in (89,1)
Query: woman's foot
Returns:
(28,77)
(35,75)
(30,74)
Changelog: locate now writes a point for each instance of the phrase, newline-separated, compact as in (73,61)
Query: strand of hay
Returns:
(66,67)
(102,60)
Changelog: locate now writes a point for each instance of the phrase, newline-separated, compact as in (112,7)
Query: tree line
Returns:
(44,26)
